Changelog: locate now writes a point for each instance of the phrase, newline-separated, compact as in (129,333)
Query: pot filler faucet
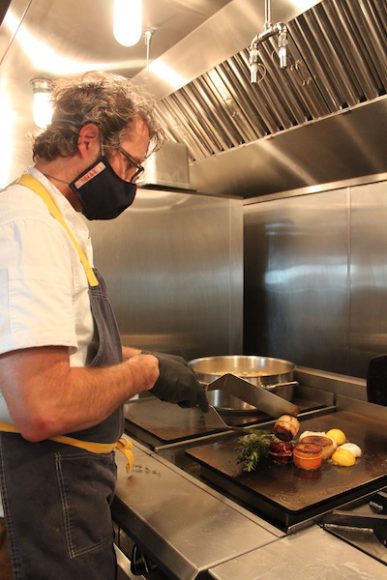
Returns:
(270,30)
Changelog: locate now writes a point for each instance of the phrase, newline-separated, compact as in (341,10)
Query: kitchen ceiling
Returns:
(54,38)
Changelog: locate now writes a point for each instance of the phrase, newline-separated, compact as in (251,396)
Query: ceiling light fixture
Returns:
(127,21)
(42,105)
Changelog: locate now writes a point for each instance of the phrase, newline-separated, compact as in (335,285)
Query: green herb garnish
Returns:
(254,448)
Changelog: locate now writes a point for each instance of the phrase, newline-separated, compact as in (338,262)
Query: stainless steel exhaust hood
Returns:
(321,119)
(167,168)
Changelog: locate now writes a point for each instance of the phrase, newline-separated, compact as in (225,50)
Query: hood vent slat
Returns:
(373,38)
(336,61)
(238,107)
(359,71)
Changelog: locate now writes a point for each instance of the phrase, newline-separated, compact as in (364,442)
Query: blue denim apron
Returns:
(56,493)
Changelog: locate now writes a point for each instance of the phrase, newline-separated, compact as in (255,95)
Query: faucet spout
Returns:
(282,45)
(254,59)
(279,29)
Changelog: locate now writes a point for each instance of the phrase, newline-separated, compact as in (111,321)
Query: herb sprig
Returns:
(254,448)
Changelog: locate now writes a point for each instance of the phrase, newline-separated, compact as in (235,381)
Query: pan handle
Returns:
(287,384)
(266,387)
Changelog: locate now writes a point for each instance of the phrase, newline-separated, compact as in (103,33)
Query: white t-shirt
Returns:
(43,287)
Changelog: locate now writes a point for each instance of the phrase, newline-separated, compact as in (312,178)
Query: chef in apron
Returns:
(63,373)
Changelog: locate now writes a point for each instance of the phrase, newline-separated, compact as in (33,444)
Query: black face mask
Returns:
(103,194)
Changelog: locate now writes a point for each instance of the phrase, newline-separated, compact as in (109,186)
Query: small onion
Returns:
(286,427)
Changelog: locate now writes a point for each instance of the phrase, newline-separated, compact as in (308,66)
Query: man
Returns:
(63,373)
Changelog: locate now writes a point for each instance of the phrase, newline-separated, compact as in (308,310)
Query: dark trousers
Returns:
(5,555)
(56,501)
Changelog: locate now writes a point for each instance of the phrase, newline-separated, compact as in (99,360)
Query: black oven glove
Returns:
(178,383)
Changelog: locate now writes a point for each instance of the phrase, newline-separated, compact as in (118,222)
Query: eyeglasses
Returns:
(139,168)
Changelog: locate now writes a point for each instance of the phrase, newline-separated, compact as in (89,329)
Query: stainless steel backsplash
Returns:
(174,268)
(316,277)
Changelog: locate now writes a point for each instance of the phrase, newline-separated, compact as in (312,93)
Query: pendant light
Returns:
(42,105)
(127,21)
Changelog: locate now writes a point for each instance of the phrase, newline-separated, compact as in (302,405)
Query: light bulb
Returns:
(42,104)
(127,21)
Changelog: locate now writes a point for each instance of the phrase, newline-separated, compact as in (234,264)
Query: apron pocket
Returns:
(86,483)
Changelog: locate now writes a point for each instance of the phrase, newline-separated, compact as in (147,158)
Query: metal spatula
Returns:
(215,421)
(262,399)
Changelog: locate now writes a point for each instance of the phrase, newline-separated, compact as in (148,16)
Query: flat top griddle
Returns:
(167,422)
(286,494)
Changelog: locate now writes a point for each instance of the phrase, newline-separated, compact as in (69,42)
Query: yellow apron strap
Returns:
(123,444)
(42,192)
(87,445)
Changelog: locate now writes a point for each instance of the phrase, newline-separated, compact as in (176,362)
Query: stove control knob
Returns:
(140,565)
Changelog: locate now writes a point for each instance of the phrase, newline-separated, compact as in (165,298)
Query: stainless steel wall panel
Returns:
(316,278)
(368,312)
(296,280)
(173,263)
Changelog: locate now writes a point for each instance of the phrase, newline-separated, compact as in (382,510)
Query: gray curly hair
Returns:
(112,102)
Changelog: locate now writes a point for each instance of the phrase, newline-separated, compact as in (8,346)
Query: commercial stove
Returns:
(192,512)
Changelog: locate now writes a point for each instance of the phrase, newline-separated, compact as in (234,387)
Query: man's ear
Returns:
(89,140)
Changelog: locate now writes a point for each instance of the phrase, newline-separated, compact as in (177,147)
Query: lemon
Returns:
(337,435)
(343,457)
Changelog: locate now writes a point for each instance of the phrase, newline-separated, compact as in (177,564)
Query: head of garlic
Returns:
(352,448)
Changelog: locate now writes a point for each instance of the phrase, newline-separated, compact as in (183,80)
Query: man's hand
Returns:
(129,352)
(177,383)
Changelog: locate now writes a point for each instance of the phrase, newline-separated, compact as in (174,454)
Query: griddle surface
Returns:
(168,422)
(288,494)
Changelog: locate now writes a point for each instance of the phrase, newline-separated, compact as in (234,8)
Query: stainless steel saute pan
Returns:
(270,373)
